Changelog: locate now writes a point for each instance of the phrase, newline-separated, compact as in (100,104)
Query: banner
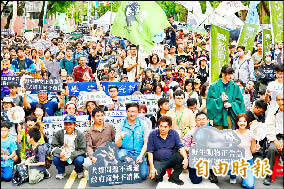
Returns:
(99,96)
(5,80)
(52,85)
(252,16)
(219,51)
(266,41)
(247,36)
(139,21)
(276,20)
(124,88)
(226,8)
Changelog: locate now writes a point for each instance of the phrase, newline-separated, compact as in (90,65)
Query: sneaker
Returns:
(233,181)
(80,175)
(176,181)
(159,179)
(46,174)
(267,180)
(213,178)
(60,176)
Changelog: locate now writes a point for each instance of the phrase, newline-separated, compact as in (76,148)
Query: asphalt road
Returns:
(71,181)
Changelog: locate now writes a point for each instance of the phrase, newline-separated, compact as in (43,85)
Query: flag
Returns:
(139,21)
(252,16)
(219,51)
(230,7)
(63,23)
(266,41)
(187,4)
(247,36)
(276,20)
(106,3)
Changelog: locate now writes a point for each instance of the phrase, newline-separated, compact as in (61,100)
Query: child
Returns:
(249,144)
(8,152)
(36,155)
(31,122)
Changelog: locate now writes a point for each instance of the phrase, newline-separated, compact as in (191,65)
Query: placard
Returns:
(108,170)
(100,97)
(213,145)
(5,80)
(52,85)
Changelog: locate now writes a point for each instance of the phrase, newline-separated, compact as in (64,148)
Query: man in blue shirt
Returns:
(165,150)
(132,137)
(50,106)
(22,63)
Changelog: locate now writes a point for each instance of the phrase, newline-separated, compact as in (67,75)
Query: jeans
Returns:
(6,173)
(60,165)
(175,162)
(249,181)
(193,176)
(134,155)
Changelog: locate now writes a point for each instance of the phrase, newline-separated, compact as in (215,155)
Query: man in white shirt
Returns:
(131,65)
(274,133)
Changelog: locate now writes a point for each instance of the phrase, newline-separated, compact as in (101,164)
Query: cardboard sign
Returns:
(115,117)
(52,85)
(213,145)
(5,80)
(100,97)
(108,170)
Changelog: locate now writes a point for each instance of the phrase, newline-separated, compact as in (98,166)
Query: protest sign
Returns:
(56,28)
(5,80)
(213,145)
(124,88)
(99,97)
(109,170)
(52,85)
(115,117)
(247,36)
(266,41)
(219,50)
(77,35)
(6,32)
(158,49)
(29,35)
(83,28)
(56,123)
(276,19)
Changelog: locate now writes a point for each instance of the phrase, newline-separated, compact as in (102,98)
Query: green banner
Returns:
(219,50)
(266,41)
(247,36)
(276,19)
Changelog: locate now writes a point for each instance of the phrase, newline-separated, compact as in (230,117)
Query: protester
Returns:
(131,138)
(97,135)
(224,100)
(8,152)
(165,151)
(69,147)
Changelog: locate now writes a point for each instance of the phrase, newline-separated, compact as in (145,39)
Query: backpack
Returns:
(21,175)
(48,160)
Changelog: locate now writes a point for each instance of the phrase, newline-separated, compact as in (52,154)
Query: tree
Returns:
(20,11)
(172,8)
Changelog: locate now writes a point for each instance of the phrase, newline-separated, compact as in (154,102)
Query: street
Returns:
(71,181)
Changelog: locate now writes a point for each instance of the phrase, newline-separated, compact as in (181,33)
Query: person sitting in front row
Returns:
(165,150)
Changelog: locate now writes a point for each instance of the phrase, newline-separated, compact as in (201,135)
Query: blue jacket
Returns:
(134,139)
(29,65)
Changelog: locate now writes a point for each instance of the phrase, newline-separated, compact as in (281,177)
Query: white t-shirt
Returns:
(128,62)
(275,88)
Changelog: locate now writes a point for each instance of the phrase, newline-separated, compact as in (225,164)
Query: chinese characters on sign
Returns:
(109,170)
(52,85)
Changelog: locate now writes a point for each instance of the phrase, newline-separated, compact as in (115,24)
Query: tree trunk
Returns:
(9,18)
(40,21)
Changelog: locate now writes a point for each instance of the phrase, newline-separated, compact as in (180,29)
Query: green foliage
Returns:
(172,8)
(102,9)
(59,6)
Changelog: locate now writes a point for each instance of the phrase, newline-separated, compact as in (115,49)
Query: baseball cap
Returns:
(70,119)
(202,58)
(7,99)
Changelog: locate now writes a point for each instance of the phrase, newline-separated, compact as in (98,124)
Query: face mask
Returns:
(240,53)
(268,59)
(5,68)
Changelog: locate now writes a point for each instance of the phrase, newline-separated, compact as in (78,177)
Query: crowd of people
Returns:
(249,91)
